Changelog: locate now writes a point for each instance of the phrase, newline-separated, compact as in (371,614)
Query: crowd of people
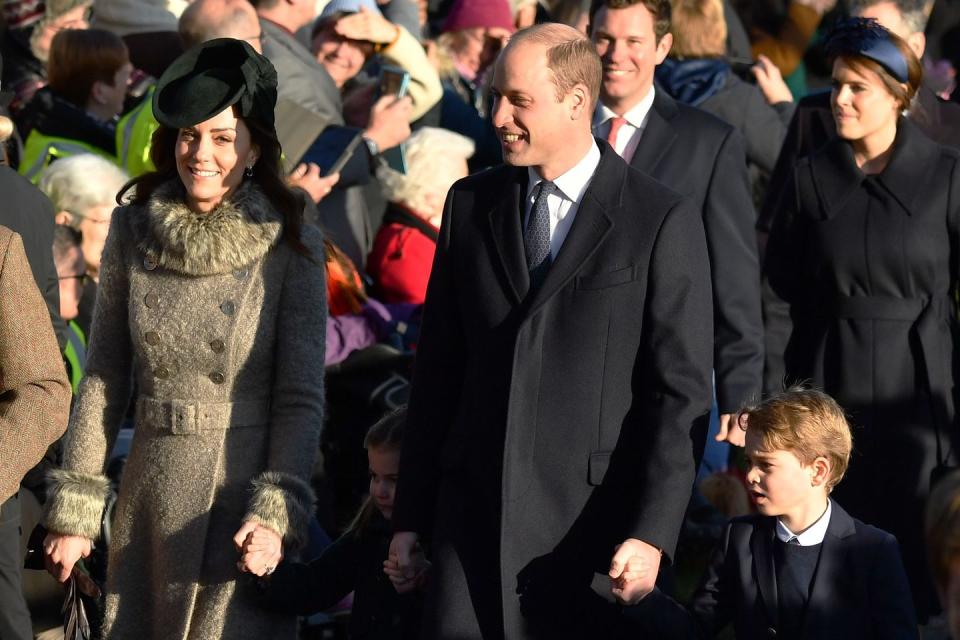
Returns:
(648,259)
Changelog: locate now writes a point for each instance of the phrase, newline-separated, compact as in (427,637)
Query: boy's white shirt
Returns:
(814,533)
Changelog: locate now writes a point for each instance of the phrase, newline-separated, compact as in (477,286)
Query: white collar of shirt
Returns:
(813,535)
(574,182)
(635,117)
(564,202)
(628,137)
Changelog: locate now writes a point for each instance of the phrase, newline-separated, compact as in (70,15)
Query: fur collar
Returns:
(237,232)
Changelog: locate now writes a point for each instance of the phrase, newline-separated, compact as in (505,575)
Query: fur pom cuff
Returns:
(75,503)
(283,503)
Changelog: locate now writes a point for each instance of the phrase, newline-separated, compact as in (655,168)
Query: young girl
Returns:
(385,605)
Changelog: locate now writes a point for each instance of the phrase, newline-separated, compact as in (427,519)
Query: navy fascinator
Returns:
(868,38)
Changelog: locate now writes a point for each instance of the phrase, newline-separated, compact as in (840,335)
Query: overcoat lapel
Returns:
(506,222)
(590,226)
(831,575)
(761,548)
(658,134)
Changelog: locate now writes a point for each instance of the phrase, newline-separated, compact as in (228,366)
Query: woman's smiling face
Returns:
(212,157)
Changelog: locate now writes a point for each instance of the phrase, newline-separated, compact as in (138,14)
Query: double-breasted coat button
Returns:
(228,308)
(217,378)
(161,372)
(152,337)
(152,300)
(149,264)
(217,346)
(771,632)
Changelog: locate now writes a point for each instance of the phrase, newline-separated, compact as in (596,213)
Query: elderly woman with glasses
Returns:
(212,298)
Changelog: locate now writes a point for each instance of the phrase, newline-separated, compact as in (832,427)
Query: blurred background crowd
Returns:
(75,98)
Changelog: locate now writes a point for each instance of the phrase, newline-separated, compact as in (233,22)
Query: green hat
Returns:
(212,76)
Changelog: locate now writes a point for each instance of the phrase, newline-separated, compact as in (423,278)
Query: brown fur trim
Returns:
(75,503)
(283,503)
(237,232)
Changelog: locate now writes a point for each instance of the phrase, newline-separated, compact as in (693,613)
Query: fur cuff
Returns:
(283,503)
(75,503)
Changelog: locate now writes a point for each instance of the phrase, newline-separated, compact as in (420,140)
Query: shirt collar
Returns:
(813,535)
(574,182)
(635,117)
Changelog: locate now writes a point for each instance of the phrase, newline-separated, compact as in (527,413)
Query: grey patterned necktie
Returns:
(537,237)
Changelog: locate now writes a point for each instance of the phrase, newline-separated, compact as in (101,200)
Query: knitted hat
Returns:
(212,76)
(348,6)
(469,14)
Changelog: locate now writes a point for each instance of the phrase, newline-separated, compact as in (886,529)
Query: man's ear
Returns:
(917,42)
(579,101)
(63,217)
(96,92)
(664,46)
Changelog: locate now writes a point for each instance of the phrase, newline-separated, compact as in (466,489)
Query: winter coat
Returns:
(860,277)
(221,323)
(34,394)
(402,256)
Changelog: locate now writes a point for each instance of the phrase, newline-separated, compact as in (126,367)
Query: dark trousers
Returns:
(14,615)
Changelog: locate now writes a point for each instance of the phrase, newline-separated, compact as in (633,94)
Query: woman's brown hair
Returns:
(267,173)
(81,57)
(903,93)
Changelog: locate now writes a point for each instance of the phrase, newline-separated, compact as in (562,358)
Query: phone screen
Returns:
(394,82)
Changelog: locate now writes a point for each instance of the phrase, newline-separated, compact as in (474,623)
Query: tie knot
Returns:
(794,540)
(546,188)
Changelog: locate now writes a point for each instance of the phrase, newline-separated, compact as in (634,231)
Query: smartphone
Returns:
(345,155)
(394,81)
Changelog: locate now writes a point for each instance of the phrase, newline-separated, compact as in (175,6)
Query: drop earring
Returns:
(249,171)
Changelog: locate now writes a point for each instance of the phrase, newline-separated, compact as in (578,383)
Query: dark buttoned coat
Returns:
(546,427)
(860,275)
(700,156)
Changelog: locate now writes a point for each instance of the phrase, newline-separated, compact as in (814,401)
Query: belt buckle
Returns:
(183,418)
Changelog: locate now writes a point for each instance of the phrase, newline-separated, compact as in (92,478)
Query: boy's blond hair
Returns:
(806,422)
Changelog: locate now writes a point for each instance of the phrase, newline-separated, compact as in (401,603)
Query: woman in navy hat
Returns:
(212,298)
(860,276)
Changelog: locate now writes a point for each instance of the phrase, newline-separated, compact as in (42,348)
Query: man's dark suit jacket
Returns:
(813,126)
(547,426)
(700,156)
(859,590)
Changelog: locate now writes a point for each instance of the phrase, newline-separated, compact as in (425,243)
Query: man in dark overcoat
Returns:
(563,374)
(697,155)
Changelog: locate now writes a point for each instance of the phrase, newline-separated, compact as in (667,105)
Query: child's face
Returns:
(778,482)
(384,465)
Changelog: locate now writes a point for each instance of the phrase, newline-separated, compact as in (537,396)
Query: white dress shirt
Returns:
(564,202)
(628,137)
(814,533)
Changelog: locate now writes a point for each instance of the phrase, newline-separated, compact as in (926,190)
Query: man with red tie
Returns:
(697,155)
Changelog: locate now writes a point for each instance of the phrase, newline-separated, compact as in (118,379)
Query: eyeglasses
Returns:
(83,216)
(82,277)
(262,37)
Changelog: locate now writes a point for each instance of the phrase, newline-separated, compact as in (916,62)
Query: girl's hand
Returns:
(61,552)
(402,582)
(262,551)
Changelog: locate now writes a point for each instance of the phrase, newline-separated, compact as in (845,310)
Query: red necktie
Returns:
(615,123)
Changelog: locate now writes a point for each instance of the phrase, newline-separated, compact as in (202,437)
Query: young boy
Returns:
(801,568)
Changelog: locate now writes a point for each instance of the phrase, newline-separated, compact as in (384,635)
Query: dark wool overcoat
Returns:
(547,426)
(859,281)
(221,324)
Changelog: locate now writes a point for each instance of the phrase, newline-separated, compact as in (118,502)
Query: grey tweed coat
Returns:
(221,323)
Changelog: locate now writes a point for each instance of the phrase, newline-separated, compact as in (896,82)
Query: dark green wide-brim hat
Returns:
(212,76)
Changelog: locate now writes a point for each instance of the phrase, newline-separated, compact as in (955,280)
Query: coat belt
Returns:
(925,313)
(180,417)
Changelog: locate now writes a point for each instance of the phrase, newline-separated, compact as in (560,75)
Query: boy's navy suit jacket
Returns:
(859,590)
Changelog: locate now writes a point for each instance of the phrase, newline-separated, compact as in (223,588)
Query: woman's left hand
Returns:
(261,549)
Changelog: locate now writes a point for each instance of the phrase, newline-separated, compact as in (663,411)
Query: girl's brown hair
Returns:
(386,434)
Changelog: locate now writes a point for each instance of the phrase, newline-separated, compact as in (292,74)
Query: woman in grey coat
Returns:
(213,299)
